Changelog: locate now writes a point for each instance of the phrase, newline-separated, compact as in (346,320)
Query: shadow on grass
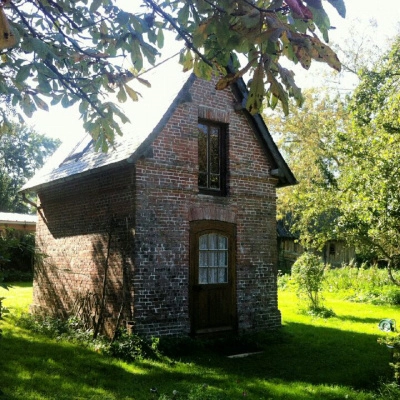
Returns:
(302,362)
(40,368)
(317,356)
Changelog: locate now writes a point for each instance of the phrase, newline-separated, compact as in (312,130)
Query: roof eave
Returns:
(280,170)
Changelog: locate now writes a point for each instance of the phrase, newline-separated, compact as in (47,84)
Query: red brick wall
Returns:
(80,217)
(149,251)
(167,199)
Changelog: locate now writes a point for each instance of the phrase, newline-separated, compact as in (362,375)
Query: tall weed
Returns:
(367,284)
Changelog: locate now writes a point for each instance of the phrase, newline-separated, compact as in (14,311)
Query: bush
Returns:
(389,391)
(126,346)
(129,347)
(308,274)
(393,342)
(17,252)
(284,281)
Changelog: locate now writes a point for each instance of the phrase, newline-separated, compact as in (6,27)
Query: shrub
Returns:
(17,252)
(284,281)
(129,347)
(393,342)
(126,346)
(389,391)
(308,274)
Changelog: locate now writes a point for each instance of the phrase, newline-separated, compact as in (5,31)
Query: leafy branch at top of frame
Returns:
(81,52)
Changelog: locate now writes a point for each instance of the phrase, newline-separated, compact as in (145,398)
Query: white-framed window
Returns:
(213,259)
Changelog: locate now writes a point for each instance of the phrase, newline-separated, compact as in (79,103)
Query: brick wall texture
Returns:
(131,223)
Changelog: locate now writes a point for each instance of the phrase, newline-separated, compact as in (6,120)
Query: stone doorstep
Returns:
(242,355)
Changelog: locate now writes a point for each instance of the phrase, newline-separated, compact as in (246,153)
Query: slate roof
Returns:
(169,86)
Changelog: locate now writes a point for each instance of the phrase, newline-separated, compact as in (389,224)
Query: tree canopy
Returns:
(347,155)
(22,152)
(80,51)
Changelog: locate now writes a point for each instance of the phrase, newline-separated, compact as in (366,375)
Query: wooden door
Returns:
(212,277)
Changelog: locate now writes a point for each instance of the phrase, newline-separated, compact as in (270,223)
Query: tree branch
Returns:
(183,34)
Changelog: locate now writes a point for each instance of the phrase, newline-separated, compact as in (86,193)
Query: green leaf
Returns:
(252,19)
(56,99)
(83,107)
(27,44)
(23,73)
(278,93)
(202,69)
(27,105)
(117,111)
(143,81)
(256,92)
(136,55)
(121,96)
(95,5)
(183,14)
(322,21)
(186,59)
(65,101)
(40,103)
(200,34)
(44,85)
(160,38)
(131,93)
(123,17)
(340,7)
(149,52)
(41,48)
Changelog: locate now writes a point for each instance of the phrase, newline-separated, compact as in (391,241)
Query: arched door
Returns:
(212,277)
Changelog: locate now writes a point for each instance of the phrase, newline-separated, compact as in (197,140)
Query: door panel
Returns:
(212,277)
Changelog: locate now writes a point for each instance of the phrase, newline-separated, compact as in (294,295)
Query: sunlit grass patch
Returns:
(309,358)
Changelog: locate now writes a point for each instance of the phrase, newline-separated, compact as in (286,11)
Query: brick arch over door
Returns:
(211,212)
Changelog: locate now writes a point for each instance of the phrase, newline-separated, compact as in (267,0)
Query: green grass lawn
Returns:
(310,358)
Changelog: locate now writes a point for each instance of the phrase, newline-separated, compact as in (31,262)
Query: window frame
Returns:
(203,227)
(222,156)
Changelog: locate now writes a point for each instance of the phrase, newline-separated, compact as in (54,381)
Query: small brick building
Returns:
(173,231)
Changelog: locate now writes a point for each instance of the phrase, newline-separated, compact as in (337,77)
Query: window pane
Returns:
(223,259)
(222,242)
(213,259)
(214,181)
(203,275)
(203,262)
(203,242)
(213,240)
(212,275)
(214,151)
(202,148)
(222,275)
(202,180)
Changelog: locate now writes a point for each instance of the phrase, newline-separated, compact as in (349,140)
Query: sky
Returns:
(65,124)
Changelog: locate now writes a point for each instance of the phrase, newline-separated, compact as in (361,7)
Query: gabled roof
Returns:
(169,87)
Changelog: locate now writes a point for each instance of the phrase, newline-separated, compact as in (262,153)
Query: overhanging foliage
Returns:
(80,51)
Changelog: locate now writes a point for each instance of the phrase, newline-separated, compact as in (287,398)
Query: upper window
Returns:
(212,158)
